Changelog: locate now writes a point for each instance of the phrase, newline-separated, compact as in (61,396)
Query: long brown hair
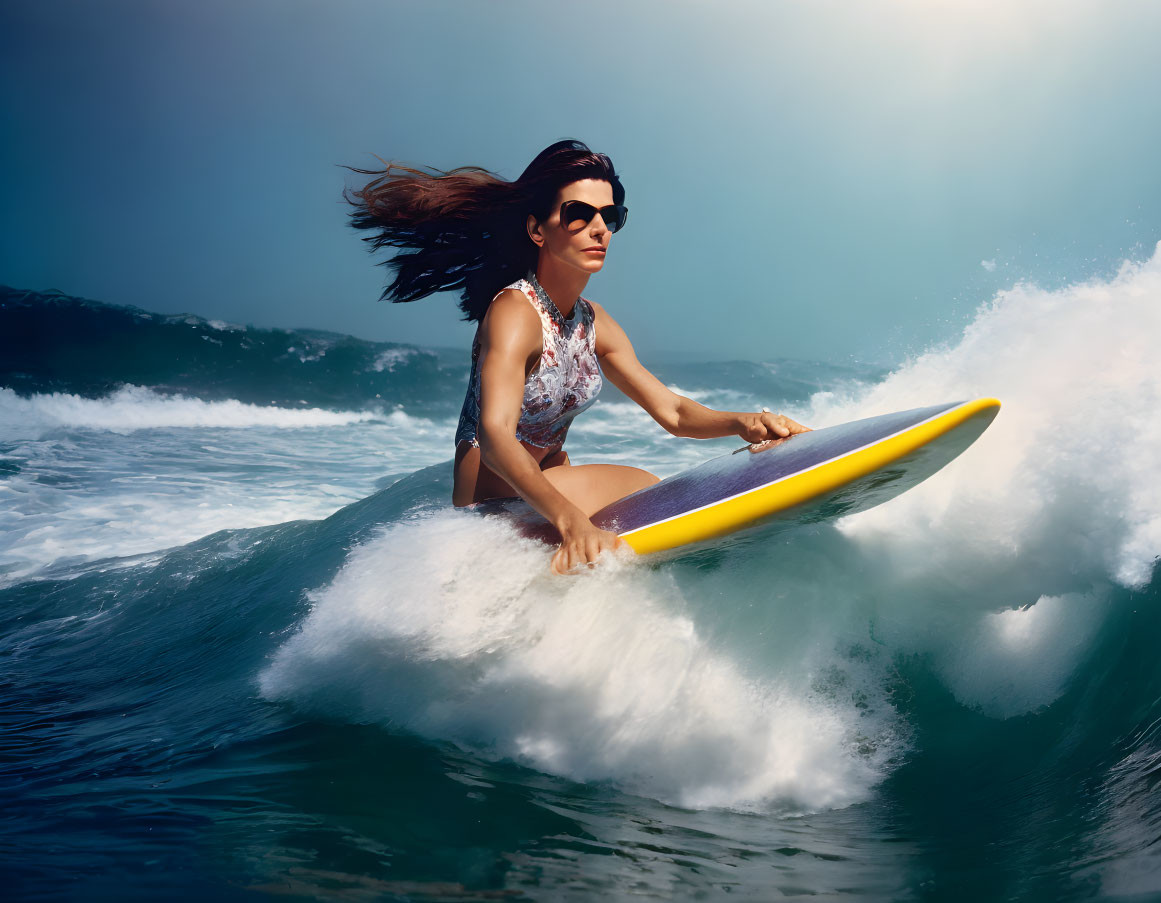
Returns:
(465,228)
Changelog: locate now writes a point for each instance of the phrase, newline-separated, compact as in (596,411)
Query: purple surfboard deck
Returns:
(742,471)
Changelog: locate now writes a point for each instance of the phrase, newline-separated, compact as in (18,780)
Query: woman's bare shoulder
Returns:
(508,296)
(510,305)
(510,318)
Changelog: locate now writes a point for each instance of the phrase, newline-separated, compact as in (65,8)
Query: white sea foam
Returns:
(136,408)
(138,471)
(395,357)
(1056,503)
(1018,660)
(452,627)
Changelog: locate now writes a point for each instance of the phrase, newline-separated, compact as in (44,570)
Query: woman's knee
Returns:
(641,478)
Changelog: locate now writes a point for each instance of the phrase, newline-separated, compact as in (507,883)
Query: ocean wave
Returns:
(52,342)
(133,408)
(450,626)
(86,479)
(1020,540)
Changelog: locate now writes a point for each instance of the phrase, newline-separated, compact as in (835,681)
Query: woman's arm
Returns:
(679,415)
(510,339)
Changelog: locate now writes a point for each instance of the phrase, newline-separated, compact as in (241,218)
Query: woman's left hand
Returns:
(766,425)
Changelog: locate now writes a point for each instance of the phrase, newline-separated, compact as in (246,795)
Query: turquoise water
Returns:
(249,650)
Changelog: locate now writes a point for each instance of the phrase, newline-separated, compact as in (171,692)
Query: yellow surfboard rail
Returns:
(729,514)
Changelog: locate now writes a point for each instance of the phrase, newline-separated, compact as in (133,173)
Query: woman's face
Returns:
(576,249)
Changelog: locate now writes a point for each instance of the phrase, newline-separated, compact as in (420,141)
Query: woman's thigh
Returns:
(592,486)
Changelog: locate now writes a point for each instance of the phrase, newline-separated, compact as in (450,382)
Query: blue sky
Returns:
(828,180)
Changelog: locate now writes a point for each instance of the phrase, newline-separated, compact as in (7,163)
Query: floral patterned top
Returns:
(564,382)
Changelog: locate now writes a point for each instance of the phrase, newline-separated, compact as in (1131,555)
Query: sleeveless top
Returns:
(564,382)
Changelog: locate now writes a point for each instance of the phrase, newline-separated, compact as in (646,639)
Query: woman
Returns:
(522,252)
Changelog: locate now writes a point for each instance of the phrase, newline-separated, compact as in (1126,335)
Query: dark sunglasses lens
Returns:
(614,217)
(575,215)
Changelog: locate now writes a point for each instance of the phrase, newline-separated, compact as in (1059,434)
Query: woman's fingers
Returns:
(565,559)
(584,550)
(775,425)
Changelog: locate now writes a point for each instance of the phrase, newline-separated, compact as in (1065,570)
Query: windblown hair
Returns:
(465,228)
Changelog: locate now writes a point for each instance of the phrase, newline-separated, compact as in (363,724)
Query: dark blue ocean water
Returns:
(249,650)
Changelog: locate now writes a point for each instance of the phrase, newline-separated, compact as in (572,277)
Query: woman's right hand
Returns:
(582,543)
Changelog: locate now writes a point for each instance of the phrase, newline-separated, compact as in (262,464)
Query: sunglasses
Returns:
(575,215)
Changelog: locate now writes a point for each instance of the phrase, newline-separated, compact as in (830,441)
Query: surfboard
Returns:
(806,478)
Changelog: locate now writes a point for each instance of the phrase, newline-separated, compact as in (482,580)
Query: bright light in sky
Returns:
(814,179)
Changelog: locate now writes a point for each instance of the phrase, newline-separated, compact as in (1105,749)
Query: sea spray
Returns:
(452,627)
(999,564)
(132,408)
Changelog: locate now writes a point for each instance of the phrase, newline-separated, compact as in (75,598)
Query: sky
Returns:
(838,181)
